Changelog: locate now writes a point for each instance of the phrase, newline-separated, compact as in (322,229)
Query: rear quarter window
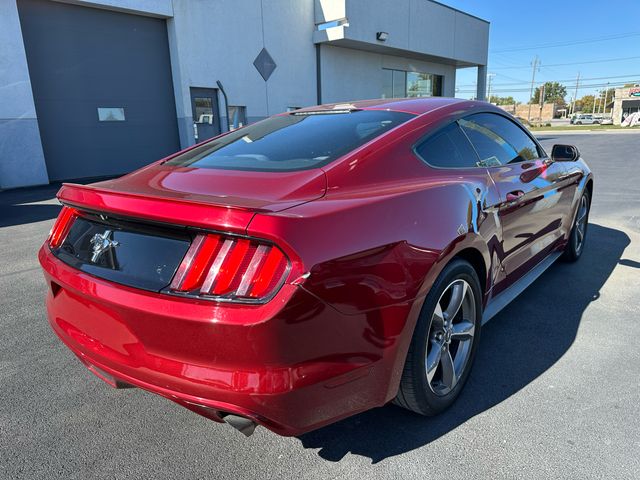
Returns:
(448,148)
(296,141)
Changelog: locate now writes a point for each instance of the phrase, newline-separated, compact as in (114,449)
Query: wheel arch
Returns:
(475,258)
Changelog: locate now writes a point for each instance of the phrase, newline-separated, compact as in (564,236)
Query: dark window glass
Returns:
(437,85)
(448,148)
(296,141)
(498,140)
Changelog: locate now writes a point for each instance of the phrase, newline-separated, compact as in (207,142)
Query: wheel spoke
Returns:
(438,318)
(458,292)
(463,331)
(448,371)
(433,359)
(583,214)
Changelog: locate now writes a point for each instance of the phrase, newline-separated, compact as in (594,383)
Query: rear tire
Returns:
(444,342)
(578,235)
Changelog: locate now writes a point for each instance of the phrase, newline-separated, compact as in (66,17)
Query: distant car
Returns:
(585,119)
(607,121)
(315,264)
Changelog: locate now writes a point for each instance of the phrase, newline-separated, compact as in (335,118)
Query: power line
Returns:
(569,43)
(568,86)
(606,60)
(522,82)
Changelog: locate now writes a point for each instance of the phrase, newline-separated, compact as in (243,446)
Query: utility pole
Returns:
(542,94)
(489,78)
(575,95)
(533,79)
(606,93)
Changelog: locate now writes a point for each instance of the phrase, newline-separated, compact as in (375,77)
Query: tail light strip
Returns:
(217,264)
(230,268)
(61,226)
(248,277)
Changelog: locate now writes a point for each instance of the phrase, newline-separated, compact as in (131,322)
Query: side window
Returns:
(448,148)
(498,140)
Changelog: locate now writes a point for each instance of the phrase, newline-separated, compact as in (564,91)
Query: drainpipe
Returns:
(226,101)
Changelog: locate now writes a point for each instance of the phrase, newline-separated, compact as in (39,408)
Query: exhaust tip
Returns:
(242,424)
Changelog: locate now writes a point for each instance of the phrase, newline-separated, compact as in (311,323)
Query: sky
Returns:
(561,32)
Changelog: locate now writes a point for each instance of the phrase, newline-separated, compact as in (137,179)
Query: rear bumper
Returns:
(292,365)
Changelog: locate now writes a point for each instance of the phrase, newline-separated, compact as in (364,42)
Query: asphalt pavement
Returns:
(555,391)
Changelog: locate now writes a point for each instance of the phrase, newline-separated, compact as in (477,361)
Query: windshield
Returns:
(297,141)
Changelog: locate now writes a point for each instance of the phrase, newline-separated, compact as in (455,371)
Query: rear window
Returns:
(292,142)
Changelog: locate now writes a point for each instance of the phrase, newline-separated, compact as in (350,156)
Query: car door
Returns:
(533,190)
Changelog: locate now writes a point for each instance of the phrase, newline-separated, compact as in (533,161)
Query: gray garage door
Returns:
(102,87)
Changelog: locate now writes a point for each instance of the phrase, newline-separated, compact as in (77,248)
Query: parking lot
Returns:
(555,391)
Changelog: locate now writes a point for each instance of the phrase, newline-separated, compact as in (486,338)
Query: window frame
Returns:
(463,115)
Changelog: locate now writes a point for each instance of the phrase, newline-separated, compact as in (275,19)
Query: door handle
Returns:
(515,195)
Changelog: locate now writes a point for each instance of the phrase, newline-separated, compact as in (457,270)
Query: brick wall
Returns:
(522,110)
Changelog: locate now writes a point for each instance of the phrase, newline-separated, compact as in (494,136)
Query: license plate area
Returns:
(136,255)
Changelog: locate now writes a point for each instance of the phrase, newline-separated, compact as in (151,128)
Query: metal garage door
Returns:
(102,87)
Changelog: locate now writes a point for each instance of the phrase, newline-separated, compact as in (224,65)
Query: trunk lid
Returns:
(198,197)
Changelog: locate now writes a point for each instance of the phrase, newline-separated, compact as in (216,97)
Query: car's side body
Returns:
(367,235)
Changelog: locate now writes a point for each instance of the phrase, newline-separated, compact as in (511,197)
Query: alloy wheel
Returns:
(581,223)
(450,339)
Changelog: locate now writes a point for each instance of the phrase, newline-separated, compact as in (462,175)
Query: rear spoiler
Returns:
(156,209)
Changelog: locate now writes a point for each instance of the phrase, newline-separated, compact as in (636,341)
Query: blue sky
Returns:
(516,25)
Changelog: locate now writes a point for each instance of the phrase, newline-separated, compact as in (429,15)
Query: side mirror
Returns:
(564,153)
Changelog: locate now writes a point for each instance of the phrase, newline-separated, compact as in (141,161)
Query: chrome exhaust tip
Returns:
(242,424)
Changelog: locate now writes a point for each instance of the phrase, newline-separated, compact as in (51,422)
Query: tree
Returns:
(554,92)
(502,100)
(585,104)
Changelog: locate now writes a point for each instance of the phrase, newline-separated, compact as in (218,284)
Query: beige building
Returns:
(625,102)
(537,113)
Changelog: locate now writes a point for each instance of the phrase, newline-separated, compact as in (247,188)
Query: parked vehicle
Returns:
(315,264)
(585,119)
(606,121)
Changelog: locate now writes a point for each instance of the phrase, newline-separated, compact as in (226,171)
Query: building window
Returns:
(110,114)
(237,116)
(399,84)
(203,111)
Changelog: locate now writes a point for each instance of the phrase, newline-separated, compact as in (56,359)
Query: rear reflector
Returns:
(230,268)
(61,227)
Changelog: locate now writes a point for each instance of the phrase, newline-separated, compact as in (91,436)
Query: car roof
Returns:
(415,106)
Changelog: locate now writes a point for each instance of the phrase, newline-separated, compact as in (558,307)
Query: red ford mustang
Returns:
(315,264)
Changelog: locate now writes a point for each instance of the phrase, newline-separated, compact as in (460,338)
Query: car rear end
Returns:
(155,282)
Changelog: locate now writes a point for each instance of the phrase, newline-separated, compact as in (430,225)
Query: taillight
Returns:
(230,268)
(61,227)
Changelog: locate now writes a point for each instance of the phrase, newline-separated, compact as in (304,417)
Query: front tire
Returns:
(444,342)
(578,235)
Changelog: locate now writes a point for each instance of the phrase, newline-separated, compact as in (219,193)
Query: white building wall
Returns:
(21,157)
(216,40)
(213,40)
(349,74)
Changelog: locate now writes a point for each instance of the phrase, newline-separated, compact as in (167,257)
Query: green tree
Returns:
(502,100)
(585,104)
(554,92)
(609,94)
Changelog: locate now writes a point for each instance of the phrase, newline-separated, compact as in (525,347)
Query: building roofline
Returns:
(460,11)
